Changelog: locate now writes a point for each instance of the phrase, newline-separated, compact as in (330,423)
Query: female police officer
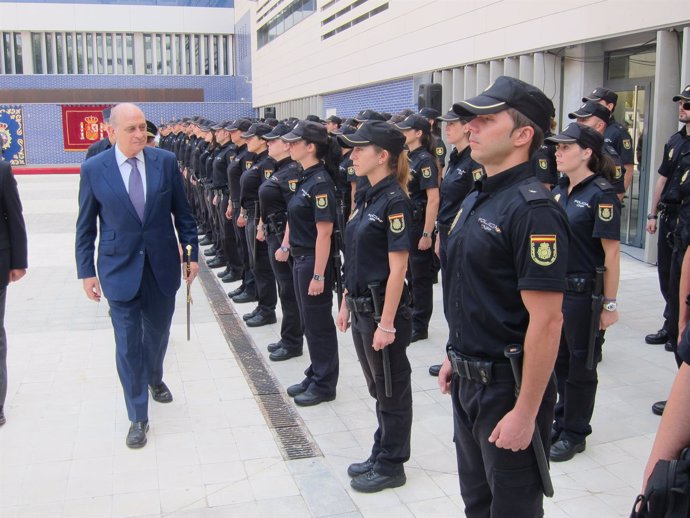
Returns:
(594,214)
(311,216)
(377,245)
(274,195)
(423,189)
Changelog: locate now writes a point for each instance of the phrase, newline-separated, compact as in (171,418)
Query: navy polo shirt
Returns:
(616,135)
(509,235)
(313,202)
(594,213)
(457,183)
(251,180)
(242,161)
(423,175)
(543,163)
(676,146)
(619,170)
(275,193)
(220,165)
(378,225)
(682,177)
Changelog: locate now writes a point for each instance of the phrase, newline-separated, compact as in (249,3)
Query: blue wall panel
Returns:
(183,3)
(388,97)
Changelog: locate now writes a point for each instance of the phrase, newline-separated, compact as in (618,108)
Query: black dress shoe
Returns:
(136,437)
(360,468)
(309,398)
(419,335)
(236,292)
(283,354)
(253,313)
(217,262)
(233,276)
(2,416)
(211,251)
(373,482)
(660,337)
(274,347)
(244,297)
(259,320)
(161,393)
(659,407)
(565,449)
(669,347)
(434,370)
(222,274)
(206,241)
(297,388)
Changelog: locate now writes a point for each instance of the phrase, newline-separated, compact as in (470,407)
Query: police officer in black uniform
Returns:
(664,207)
(594,214)
(543,160)
(615,135)
(311,218)
(274,196)
(672,197)
(440,150)
(333,123)
(377,245)
(507,256)
(250,181)
(424,193)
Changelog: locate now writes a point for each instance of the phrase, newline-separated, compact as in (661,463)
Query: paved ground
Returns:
(211,453)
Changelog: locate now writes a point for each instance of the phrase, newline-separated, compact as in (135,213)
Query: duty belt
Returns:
(484,372)
(297,251)
(362,305)
(669,208)
(579,283)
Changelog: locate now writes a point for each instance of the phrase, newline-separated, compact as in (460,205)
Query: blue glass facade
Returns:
(179,3)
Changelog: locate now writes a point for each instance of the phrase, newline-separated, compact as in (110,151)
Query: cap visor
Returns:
(247,135)
(595,99)
(560,139)
(579,115)
(291,137)
(270,136)
(480,105)
(448,117)
(681,97)
(353,140)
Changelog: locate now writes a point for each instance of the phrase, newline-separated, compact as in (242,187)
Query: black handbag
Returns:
(668,490)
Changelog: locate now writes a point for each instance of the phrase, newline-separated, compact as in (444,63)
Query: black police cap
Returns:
(220,125)
(335,120)
(589,109)
(257,129)
(416,122)
(601,94)
(684,95)
(583,135)
(451,116)
(271,122)
(345,129)
(509,92)
(429,113)
(151,130)
(239,124)
(350,121)
(369,115)
(277,132)
(378,133)
(314,118)
(309,131)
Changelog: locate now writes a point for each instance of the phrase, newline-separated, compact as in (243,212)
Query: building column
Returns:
(511,67)
(42,50)
(495,69)
(527,68)
(447,92)
(139,61)
(685,59)
(470,84)
(63,56)
(483,76)
(458,85)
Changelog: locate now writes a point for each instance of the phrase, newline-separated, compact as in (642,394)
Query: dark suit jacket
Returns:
(124,240)
(13,246)
(98,147)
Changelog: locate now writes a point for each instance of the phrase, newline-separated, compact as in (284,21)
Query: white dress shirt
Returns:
(126,169)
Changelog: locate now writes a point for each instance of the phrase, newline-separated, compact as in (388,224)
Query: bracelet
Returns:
(652,216)
(426,234)
(389,331)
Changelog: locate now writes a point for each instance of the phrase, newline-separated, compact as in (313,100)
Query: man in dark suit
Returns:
(132,191)
(13,260)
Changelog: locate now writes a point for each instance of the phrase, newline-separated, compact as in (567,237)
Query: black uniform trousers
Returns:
(577,385)
(213,221)
(243,252)
(495,482)
(219,210)
(394,414)
(673,300)
(667,226)
(260,264)
(228,239)
(291,332)
(421,277)
(443,258)
(319,327)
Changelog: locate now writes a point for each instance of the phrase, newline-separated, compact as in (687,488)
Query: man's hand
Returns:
(445,376)
(424,243)
(92,288)
(651,226)
(242,221)
(228,213)
(194,269)
(513,432)
(17,274)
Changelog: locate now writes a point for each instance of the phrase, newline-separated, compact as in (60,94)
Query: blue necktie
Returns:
(136,188)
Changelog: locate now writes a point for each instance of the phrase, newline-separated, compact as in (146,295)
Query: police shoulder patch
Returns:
(685,176)
(292,184)
(477,174)
(248,164)
(606,212)
(268,173)
(351,170)
(670,153)
(543,164)
(439,151)
(557,197)
(619,172)
(396,222)
(627,143)
(426,172)
(322,201)
(543,249)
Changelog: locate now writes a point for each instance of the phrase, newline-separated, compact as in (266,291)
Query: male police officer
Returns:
(507,255)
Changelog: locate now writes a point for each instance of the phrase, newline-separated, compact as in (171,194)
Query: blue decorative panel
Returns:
(243,47)
(390,97)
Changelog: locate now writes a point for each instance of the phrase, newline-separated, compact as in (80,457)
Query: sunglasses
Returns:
(686,105)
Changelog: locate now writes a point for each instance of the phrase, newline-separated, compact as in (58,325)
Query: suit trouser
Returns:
(142,329)
(667,227)
(577,385)
(495,482)
(3,347)
(319,328)
(394,414)
(241,240)
(266,292)
(291,332)
(421,279)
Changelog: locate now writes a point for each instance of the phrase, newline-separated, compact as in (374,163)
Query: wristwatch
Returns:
(610,305)
(426,234)
(652,216)
(318,277)
(285,249)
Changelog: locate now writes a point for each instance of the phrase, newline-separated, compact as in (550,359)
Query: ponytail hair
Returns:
(399,166)
(603,165)
(330,153)
(427,143)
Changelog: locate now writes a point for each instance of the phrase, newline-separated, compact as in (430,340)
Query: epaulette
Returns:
(320,178)
(535,194)
(603,184)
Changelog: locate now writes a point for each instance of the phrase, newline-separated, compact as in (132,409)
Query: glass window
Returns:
(110,68)
(179,49)
(631,63)
(49,53)
(59,52)
(7,45)
(215,54)
(37,52)
(119,54)
(69,48)
(226,57)
(159,53)
(18,63)
(89,53)
(80,53)
(168,54)
(188,54)
(130,53)
(99,54)
(148,54)
(197,54)
(207,54)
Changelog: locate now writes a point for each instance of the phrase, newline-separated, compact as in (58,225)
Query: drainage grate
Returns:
(293,437)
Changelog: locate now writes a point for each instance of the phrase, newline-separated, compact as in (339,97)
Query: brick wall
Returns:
(390,97)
